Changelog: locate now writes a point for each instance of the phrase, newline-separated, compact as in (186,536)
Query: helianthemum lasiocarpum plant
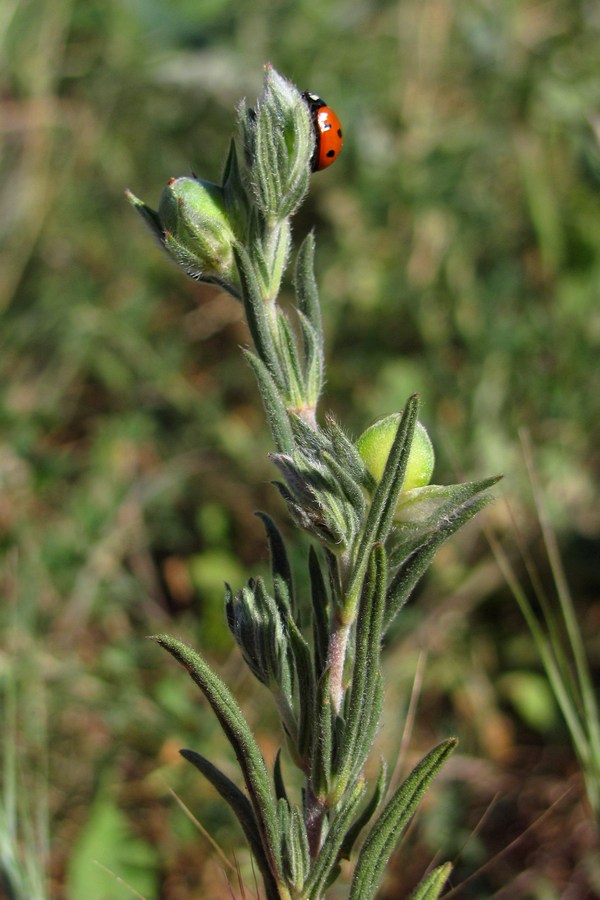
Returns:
(375,521)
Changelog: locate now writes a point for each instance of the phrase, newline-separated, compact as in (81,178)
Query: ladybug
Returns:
(328,132)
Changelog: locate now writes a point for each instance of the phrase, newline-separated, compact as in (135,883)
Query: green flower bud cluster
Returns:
(256,623)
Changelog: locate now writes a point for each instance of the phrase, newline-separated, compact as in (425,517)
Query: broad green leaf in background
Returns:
(107,843)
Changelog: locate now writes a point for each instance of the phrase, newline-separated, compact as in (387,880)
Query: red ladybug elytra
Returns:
(328,132)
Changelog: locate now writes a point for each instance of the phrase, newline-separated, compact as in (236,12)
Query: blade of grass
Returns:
(544,648)
(565,600)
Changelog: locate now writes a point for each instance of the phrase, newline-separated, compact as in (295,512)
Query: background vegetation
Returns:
(458,255)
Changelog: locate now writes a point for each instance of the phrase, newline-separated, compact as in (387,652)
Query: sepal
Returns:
(323,484)
(422,512)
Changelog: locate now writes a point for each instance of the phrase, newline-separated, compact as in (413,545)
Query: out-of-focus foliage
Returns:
(459,255)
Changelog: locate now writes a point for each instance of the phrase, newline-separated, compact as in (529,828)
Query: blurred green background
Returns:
(458,242)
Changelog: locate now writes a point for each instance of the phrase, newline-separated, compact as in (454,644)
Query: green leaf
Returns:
(243,811)
(255,307)
(242,740)
(390,825)
(307,292)
(234,190)
(329,853)
(299,841)
(320,607)
(290,362)
(418,561)
(355,744)
(305,681)
(366,815)
(278,783)
(314,361)
(346,453)
(422,511)
(277,414)
(372,716)
(107,841)
(385,499)
(432,885)
(280,564)
(295,853)
(322,739)
(150,217)
(351,489)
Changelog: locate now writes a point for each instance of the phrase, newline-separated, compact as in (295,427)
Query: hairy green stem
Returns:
(336,660)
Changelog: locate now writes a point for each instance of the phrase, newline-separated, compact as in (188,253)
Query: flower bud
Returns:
(375,443)
(275,145)
(193,226)
(197,231)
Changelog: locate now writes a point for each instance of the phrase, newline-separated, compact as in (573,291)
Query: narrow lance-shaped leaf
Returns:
(349,486)
(314,361)
(277,414)
(234,190)
(278,783)
(322,739)
(296,860)
(432,885)
(290,360)
(320,607)
(388,490)
(267,181)
(420,511)
(241,739)
(276,243)
(307,292)
(280,564)
(373,711)
(330,851)
(306,691)
(242,808)
(390,825)
(365,673)
(150,217)
(255,307)
(418,562)
(346,453)
(366,814)
(287,863)
(300,843)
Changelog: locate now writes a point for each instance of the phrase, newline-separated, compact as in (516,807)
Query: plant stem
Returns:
(307,413)
(336,659)
(314,816)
